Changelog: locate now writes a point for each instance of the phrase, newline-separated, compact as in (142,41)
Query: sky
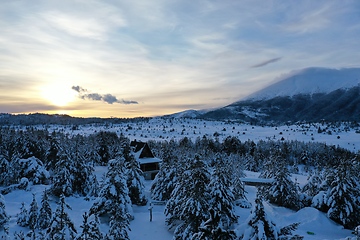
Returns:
(124,58)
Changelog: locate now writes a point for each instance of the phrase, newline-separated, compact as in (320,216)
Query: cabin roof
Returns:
(141,150)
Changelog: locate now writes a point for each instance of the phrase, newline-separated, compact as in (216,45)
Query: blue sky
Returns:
(145,58)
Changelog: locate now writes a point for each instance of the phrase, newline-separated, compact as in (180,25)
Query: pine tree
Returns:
(82,170)
(61,226)
(19,235)
(33,214)
(114,191)
(213,229)
(312,187)
(222,198)
(90,229)
(135,180)
(45,212)
(22,217)
(53,153)
(92,187)
(283,191)
(165,180)
(94,230)
(119,225)
(343,197)
(190,200)
(260,226)
(63,178)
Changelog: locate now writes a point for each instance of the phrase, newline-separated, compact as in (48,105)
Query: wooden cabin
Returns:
(149,164)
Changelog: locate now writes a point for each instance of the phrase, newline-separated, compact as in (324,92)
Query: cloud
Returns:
(108,98)
(266,62)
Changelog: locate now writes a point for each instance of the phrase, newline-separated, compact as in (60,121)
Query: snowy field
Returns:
(311,220)
(313,223)
(165,129)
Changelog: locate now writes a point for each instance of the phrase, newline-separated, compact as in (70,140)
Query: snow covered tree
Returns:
(90,229)
(312,187)
(19,235)
(22,217)
(63,178)
(53,153)
(222,198)
(32,168)
(213,229)
(61,226)
(283,191)
(343,197)
(165,180)
(92,188)
(45,212)
(260,226)
(189,203)
(119,225)
(33,214)
(135,178)
(82,170)
(114,191)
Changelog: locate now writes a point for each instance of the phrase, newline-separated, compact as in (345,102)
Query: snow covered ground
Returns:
(311,220)
(313,224)
(166,129)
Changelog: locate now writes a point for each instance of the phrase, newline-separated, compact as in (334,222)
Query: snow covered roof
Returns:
(149,160)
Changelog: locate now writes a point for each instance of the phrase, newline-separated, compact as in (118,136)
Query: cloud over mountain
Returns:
(108,98)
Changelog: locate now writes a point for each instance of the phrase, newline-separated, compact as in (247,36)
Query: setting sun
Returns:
(58,94)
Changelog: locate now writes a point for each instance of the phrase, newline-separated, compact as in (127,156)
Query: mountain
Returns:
(311,94)
(310,81)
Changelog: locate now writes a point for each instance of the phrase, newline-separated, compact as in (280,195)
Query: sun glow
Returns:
(58,94)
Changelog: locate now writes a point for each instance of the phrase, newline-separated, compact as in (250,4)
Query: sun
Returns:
(58,94)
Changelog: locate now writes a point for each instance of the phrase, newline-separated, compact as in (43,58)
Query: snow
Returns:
(310,80)
(310,219)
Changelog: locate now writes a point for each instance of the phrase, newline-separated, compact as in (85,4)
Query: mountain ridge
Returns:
(309,80)
(311,94)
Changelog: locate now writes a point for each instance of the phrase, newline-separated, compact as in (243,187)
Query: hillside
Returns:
(312,94)
(309,81)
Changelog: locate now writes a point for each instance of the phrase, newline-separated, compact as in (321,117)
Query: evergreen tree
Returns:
(135,179)
(33,214)
(63,178)
(283,191)
(53,153)
(213,229)
(94,230)
(343,197)
(22,217)
(189,203)
(114,191)
(90,229)
(260,226)
(19,235)
(92,188)
(312,187)
(119,225)
(165,180)
(222,198)
(45,212)
(82,169)
(61,226)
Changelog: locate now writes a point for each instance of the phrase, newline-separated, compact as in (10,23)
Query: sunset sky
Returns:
(126,58)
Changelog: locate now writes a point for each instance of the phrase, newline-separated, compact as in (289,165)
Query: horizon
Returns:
(144,59)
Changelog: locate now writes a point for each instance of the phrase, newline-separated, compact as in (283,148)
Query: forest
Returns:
(199,181)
